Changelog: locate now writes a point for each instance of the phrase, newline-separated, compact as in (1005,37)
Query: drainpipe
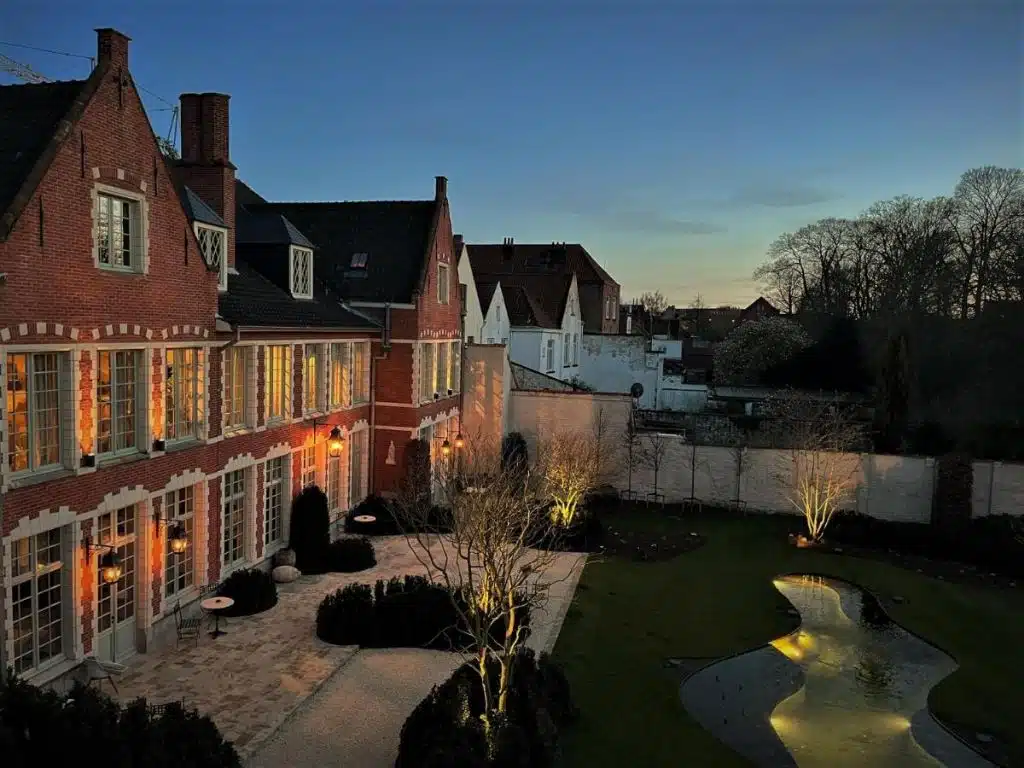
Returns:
(385,346)
(235,339)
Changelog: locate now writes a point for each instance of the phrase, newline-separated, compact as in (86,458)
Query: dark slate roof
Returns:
(537,300)
(29,118)
(394,235)
(197,210)
(244,194)
(266,229)
(535,258)
(523,310)
(485,292)
(527,379)
(252,299)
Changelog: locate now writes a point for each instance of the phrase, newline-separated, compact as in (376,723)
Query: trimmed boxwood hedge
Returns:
(252,589)
(42,728)
(351,554)
(405,612)
(445,728)
(310,535)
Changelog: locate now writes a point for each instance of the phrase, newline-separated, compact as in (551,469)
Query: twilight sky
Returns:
(674,139)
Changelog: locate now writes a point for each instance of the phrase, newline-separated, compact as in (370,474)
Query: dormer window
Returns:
(300,270)
(213,243)
(359,260)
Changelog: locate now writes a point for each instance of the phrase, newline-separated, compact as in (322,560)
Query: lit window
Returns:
(279,382)
(358,445)
(116,603)
(359,260)
(273,501)
(427,363)
(118,233)
(120,401)
(186,376)
(442,283)
(179,509)
(233,522)
(38,393)
(308,466)
(337,493)
(237,361)
(301,268)
(443,372)
(341,371)
(360,372)
(311,368)
(37,600)
(213,244)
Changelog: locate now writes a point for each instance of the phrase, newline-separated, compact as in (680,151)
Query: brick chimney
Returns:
(205,164)
(440,188)
(112,46)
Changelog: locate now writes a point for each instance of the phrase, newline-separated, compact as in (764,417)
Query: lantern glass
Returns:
(335,443)
(110,567)
(176,539)
(459,442)
(446,447)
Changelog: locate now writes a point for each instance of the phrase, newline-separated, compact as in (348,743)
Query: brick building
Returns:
(172,354)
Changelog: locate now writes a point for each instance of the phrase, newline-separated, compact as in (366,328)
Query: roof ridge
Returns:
(339,202)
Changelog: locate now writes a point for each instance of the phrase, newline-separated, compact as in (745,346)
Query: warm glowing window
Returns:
(237,363)
(184,392)
(428,361)
(278,365)
(38,599)
(179,508)
(312,365)
(441,377)
(233,520)
(273,501)
(116,602)
(38,400)
(360,372)
(120,401)
(341,371)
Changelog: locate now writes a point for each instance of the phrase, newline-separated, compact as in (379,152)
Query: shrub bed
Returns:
(985,542)
(252,589)
(586,534)
(42,728)
(445,728)
(351,554)
(405,612)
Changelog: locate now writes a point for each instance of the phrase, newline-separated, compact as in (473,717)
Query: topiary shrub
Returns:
(252,589)
(310,536)
(42,728)
(952,504)
(351,554)
(346,617)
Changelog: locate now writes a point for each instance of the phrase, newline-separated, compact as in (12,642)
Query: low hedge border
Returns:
(252,589)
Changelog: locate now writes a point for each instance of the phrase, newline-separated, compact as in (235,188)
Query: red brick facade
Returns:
(57,299)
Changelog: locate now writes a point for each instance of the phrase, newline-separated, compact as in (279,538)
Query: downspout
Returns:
(235,339)
(385,346)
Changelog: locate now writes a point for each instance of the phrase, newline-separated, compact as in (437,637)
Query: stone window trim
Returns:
(278,383)
(132,196)
(428,355)
(197,479)
(213,244)
(200,392)
(250,365)
(247,463)
(300,272)
(143,410)
(443,283)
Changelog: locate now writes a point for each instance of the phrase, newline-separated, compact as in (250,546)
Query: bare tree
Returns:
(568,464)
(818,470)
(632,453)
(482,556)
(740,450)
(654,455)
(699,309)
(654,306)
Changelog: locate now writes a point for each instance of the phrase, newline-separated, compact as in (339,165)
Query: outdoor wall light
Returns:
(335,443)
(110,561)
(446,447)
(177,538)
(459,442)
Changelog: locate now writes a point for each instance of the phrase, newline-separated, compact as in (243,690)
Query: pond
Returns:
(848,688)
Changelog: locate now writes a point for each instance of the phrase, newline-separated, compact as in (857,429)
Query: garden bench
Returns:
(186,628)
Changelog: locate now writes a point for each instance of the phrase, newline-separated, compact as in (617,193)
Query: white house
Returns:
(495,328)
(473,329)
(545,322)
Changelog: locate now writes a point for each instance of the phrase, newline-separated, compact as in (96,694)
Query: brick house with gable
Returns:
(170,360)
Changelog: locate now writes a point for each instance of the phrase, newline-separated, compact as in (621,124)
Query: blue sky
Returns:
(676,140)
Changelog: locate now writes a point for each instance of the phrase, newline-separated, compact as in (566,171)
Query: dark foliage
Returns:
(952,503)
(375,506)
(929,439)
(417,470)
(41,728)
(985,542)
(311,535)
(892,408)
(252,589)
(835,362)
(400,613)
(447,722)
(514,454)
(351,554)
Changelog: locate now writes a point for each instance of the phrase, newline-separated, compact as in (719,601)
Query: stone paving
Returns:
(251,680)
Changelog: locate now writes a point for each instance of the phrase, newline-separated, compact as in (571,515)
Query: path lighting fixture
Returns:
(459,442)
(446,447)
(335,442)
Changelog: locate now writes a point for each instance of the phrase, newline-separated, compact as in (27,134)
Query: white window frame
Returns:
(213,242)
(65,409)
(443,283)
(32,574)
(566,351)
(549,351)
(427,371)
(575,350)
(275,486)
(141,403)
(233,358)
(307,466)
(313,398)
(238,499)
(180,507)
(455,366)
(360,364)
(296,253)
(339,382)
(359,446)
(139,248)
(442,369)
(337,481)
(193,428)
(278,383)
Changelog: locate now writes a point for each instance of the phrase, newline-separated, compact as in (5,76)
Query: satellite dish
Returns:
(637,391)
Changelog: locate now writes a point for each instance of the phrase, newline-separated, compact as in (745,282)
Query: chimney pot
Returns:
(112,47)
(440,188)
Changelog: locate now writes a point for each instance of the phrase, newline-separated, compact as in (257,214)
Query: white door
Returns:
(116,603)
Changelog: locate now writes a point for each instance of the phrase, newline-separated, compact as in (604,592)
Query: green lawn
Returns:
(628,618)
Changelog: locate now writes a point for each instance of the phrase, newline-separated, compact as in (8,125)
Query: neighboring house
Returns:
(395,262)
(175,352)
(598,292)
(473,316)
(758,310)
(545,326)
(495,328)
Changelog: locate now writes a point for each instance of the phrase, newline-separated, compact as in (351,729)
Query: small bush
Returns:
(252,589)
(400,613)
(952,504)
(352,554)
(310,536)
(447,722)
(42,728)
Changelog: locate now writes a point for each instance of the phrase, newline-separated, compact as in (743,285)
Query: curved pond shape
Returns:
(848,688)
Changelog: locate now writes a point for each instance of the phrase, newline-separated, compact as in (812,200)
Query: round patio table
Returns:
(365,518)
(215,605)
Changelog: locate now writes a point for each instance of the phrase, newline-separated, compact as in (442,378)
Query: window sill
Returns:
(181,445)
(36,478)
(238,431)
(50,673)
(120,270)
(113,461)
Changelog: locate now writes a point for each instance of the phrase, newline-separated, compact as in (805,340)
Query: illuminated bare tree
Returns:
(479,551)
(818,469)
(569,464)
(655,450)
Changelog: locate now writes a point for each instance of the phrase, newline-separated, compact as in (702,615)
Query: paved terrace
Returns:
(253,679)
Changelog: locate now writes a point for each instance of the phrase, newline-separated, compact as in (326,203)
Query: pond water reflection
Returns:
(849,689)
